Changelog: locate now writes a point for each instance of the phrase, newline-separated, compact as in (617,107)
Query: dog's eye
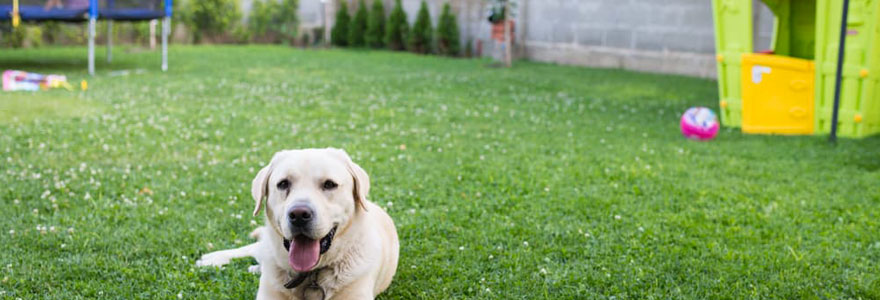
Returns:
(283,184)
(329,185)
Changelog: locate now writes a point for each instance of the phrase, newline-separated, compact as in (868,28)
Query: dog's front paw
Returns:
(213,259)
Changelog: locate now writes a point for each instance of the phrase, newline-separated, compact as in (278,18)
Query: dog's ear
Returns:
(361,179)
(259,187)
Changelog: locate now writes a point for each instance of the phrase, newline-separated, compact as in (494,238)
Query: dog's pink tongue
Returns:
(304,254)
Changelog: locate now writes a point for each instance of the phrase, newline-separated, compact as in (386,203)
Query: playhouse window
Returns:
(794,27)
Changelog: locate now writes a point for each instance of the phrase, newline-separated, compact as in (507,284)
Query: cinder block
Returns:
(618,38)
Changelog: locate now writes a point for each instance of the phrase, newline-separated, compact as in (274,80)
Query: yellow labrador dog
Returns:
(322,238)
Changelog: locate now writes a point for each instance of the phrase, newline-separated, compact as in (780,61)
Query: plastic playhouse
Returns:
(90,11)
(790,89)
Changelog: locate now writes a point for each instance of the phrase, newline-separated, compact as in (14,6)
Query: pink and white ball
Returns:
(699,123)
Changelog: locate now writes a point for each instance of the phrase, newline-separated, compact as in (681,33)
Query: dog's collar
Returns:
(298,280)
(301,277)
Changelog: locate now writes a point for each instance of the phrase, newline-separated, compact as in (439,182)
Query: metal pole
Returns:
(508,17)
(837,79)
(109,40)
(326,21)
(92,21)
(153,34)
(166,29)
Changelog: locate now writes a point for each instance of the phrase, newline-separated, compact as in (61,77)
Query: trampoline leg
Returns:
(153,34)
(92,46)
(166,30)
(109,40)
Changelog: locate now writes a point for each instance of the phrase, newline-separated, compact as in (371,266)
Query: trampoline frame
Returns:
(92,16)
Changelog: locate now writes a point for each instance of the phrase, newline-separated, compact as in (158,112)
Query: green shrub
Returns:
(34,36)
(447,33)
(275,19)
(358,26)
(422,33)
(15,37)
(52,31)
(141,31)
(339,34)
(375,37)
(211,17)
(287,21)
(260,17)
(397,29)
(242,35)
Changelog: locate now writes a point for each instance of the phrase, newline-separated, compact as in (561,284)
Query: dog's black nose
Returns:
(300,215)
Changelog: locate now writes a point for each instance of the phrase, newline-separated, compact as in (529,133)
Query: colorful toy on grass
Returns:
(699,123)
(790,89)
(23,81)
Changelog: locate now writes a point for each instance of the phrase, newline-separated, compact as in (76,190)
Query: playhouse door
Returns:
(777,94)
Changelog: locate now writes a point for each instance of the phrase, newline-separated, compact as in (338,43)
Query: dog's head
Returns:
(309,194)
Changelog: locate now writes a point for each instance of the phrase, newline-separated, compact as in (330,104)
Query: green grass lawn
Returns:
(539,181)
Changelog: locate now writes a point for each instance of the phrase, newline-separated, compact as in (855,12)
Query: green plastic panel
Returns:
(795,34)
(733,38)
(860,93)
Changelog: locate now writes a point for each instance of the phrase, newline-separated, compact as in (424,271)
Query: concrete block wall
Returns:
(665,36)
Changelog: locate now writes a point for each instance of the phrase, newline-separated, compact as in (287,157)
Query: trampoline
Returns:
(90,11)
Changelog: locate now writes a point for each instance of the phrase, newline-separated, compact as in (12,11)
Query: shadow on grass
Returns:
(28,106)
(64,64)
(866,154)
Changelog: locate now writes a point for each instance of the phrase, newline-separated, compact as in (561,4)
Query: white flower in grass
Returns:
(525,243)
(12,231)
(180,295)
(543,271)
(36,211)
(617,217)
(70,230)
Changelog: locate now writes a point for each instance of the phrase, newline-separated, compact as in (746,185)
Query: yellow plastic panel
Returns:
(777,94)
